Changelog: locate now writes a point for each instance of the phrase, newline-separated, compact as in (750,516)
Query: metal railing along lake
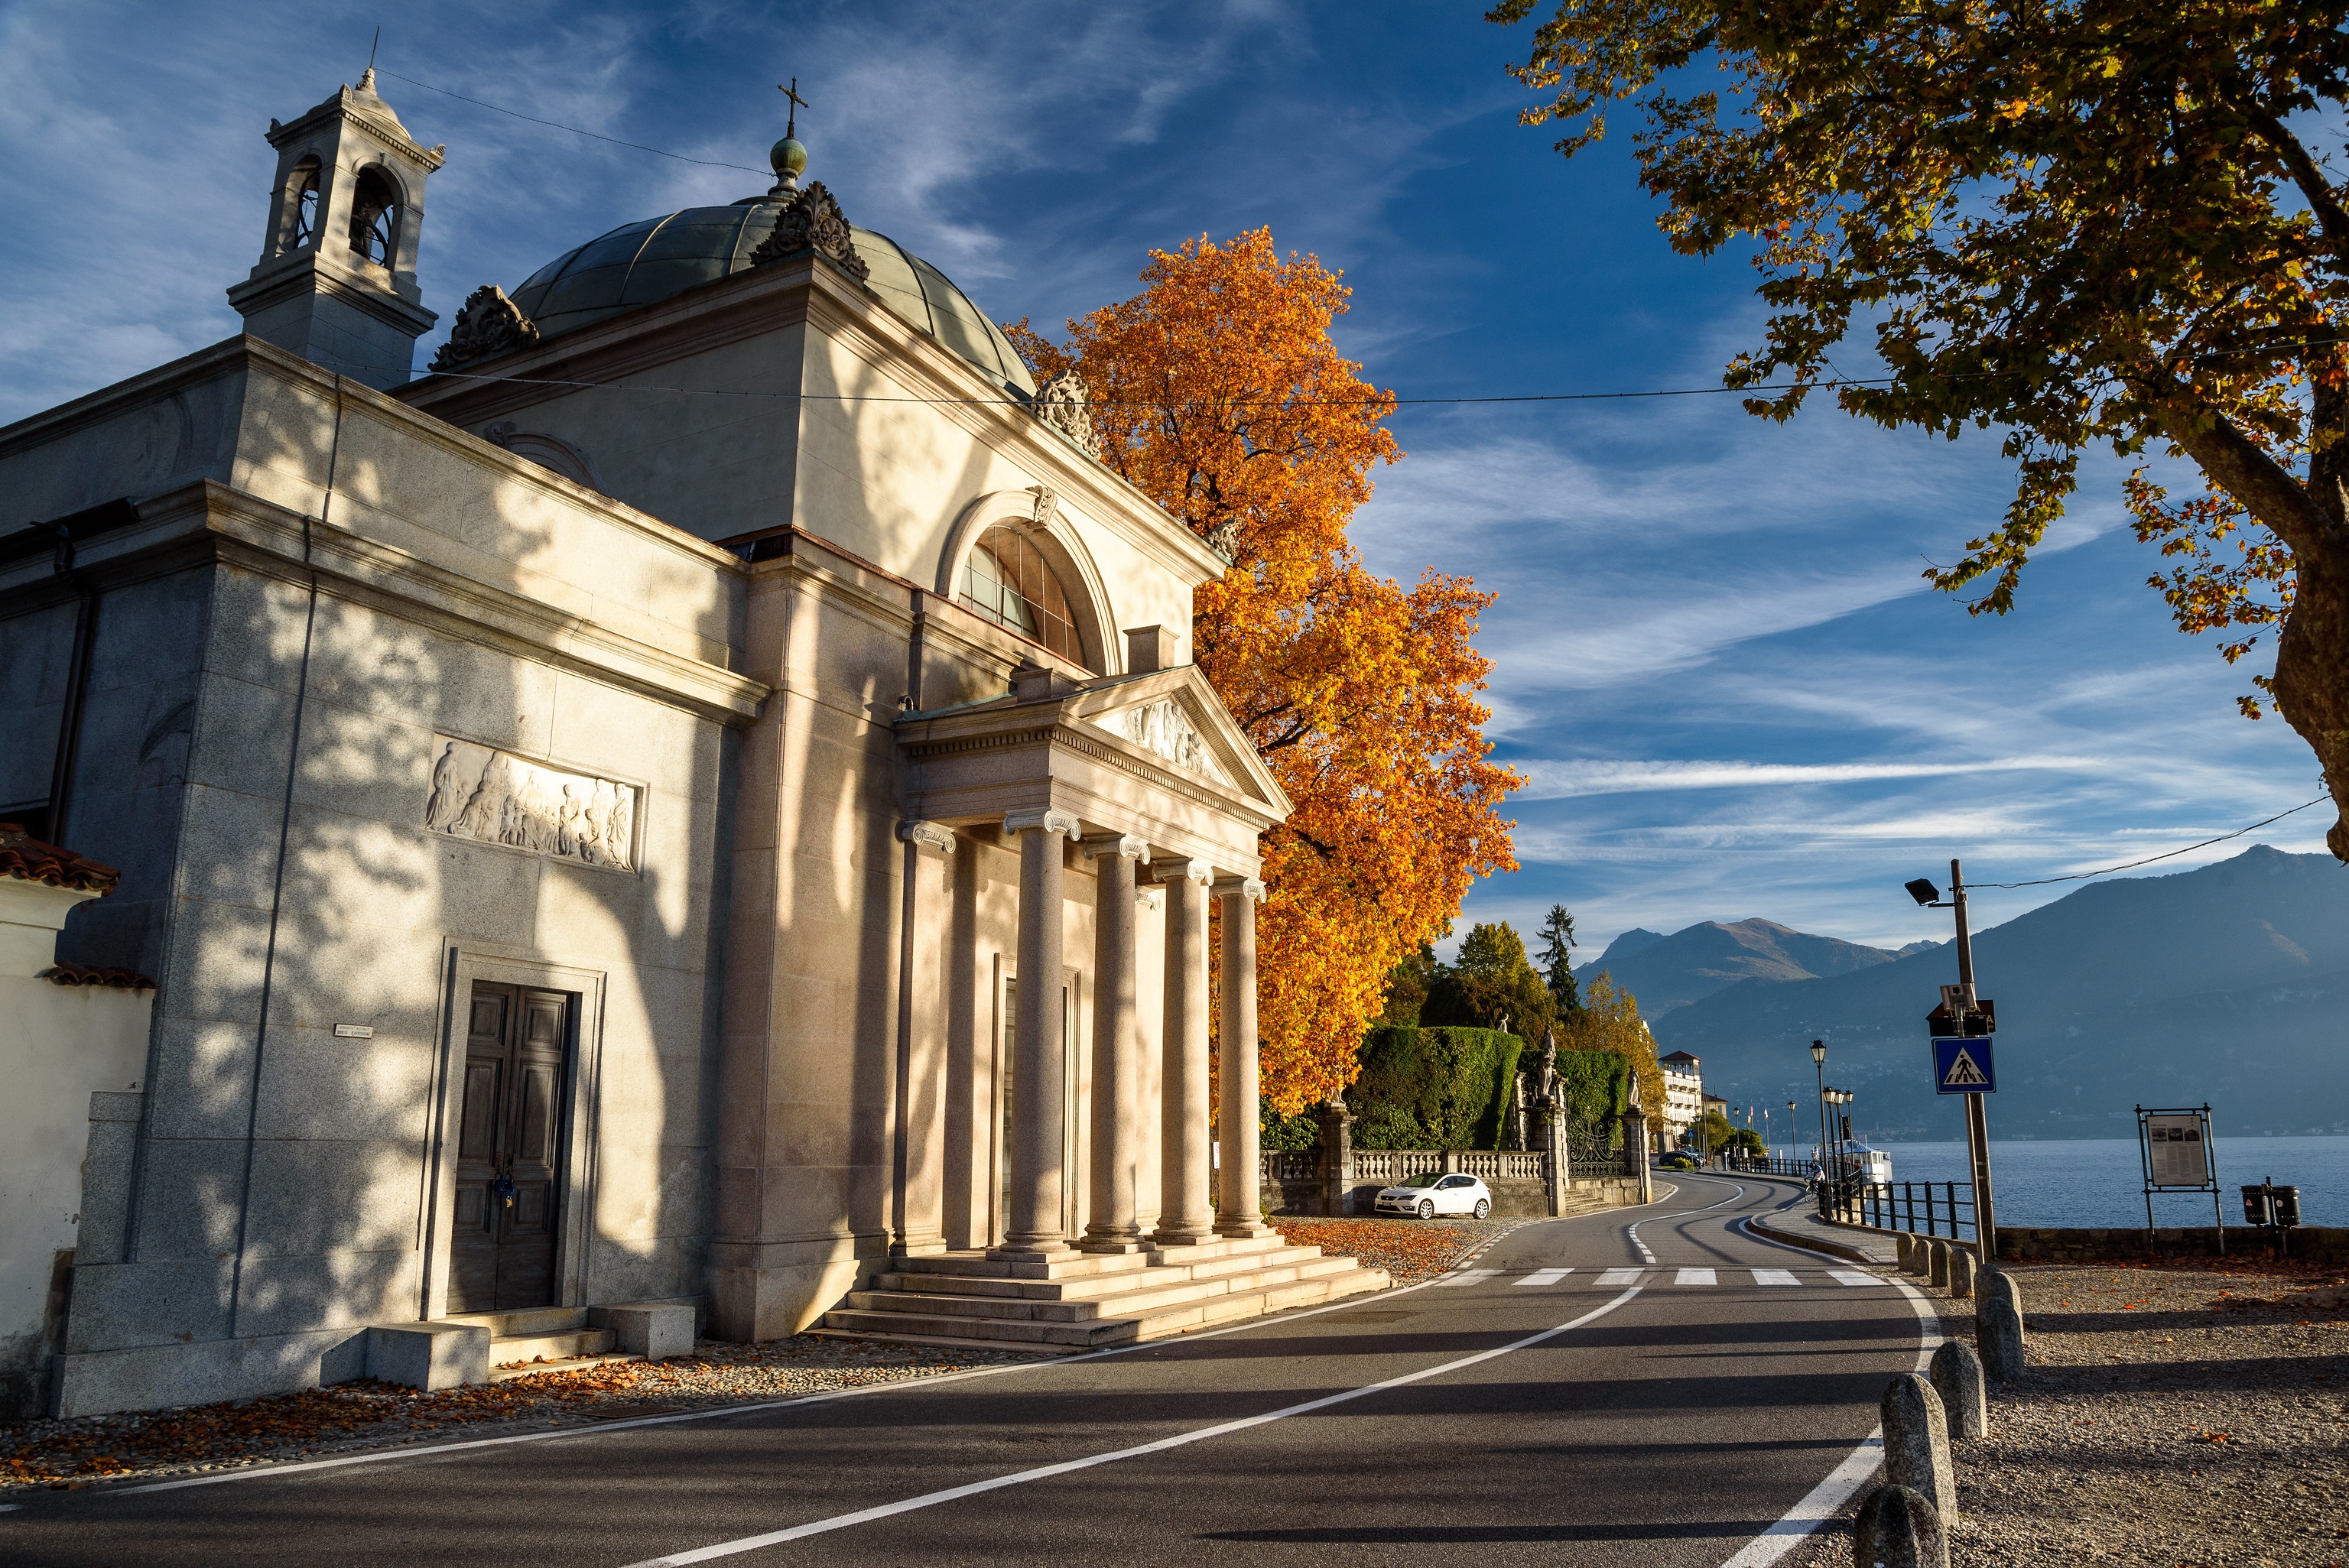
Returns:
(1922,1208)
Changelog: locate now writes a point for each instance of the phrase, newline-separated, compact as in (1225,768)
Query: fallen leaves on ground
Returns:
(1409,1250)
(367,1414)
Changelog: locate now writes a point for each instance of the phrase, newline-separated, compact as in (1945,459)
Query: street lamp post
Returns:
(1819,1066)
(1790,1133)
(1977,1112)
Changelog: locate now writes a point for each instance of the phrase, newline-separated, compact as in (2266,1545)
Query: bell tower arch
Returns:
(336,278)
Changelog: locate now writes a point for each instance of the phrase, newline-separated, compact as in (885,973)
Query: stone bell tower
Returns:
(336,278)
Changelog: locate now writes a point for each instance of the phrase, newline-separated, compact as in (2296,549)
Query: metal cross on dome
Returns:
(791,119)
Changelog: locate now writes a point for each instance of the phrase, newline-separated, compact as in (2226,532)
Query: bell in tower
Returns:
(336,278)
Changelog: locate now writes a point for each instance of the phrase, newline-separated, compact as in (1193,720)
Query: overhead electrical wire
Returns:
(558,125)
(2166,855)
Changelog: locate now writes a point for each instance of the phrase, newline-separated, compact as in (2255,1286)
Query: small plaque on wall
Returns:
(354,1031)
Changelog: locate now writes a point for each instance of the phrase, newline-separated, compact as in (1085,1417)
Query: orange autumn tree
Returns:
(1218,392)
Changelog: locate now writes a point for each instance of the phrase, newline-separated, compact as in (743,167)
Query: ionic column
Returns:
(917,1212)
(1240,1213)
(1037,1086)
(1116,1111)
(1184,1216)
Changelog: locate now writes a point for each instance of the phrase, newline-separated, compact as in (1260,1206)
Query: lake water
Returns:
(2101,1181)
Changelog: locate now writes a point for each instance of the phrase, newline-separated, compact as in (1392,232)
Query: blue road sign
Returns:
(1964,1067)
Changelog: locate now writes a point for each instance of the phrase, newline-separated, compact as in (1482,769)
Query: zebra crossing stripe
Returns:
(1775,1276)
(1469,1276)
(1616,1279)
(1852,1277)
(1545,1276)
(1694,1277)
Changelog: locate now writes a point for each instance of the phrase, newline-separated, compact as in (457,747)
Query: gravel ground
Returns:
(2171,1418)
(352,1418)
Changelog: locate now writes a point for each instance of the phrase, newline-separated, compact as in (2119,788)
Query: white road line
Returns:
(1467,1276)
(1545,1276)
(1859,1467)
(1695,1276)
(1775,1276)
(1615,1279)
(1632,1232)
(1853,1277)
(421,1451)
(1046,1472)
(1815,1509)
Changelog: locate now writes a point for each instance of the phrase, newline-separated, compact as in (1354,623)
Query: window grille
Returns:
(1008,580)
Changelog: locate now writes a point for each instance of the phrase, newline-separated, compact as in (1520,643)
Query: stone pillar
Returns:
(1337,1154)
(1549,1124)
(1116,1104)
(1185,1217)
(918,1209)
(1242,1208)
(1635,1153)
(1032,1228)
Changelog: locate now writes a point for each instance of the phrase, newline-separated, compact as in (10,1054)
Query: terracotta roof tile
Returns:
(26,857)
(83,974)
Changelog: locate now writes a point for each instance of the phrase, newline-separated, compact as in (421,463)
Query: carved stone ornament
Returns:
(1224,539)
(1062,403)
(489,324)
(1164,728)
(498,798)
(1047,509)
(813,222)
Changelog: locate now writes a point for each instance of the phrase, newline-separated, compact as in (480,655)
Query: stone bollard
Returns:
(1903,1246)
(1916,1443)
(1997,1333)
(1957,1374)
(1915,1262)
(1937,1262)
(1997,1282)
(1898,1527)
(1961,1270)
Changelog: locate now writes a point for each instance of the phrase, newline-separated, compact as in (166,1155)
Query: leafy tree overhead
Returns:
(1491,986)
(1557,962)
(1408,983)
(1218,393)
(2084,222)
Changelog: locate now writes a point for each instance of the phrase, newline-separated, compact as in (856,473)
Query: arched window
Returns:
(1008,580)
(304,199)
(375,218)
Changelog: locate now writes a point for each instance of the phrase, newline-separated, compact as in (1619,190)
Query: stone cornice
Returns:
(259,535)
(346,105)
(1002,727)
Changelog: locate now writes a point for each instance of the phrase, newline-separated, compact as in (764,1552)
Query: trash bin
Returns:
(2286,1202)
(2258,1207)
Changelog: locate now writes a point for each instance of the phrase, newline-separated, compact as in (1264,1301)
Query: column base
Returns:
(918,1247)
(1246,1230)
(1169,1241)
(1012,1252)
(1132,1243)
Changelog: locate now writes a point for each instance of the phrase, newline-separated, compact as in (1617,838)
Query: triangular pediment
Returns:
(1176,717)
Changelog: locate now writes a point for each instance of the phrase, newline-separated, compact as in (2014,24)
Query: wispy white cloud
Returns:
(1555,779)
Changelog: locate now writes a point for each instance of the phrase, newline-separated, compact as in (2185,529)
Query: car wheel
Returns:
(1427,1208)
(1483,1207)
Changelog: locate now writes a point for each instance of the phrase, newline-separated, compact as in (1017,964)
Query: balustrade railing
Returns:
(1924,1208)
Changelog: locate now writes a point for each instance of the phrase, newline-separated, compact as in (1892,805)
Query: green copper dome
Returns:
(639,263)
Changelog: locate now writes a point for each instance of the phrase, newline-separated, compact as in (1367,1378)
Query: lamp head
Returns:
(1923,891)
(1819,1052)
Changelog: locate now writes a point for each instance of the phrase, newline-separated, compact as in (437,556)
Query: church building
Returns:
(694,815)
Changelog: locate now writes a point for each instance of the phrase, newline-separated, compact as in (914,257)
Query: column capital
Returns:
(1165,870)
(1248,888)
(1149,897)
(1052,821)
(929,835)
(1125,846)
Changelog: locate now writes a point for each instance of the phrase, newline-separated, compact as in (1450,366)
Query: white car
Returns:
(1433,1194)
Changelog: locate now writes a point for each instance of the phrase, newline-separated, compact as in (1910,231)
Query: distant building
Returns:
(1683,1095)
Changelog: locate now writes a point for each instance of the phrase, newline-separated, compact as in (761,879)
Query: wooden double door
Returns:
(510,1149)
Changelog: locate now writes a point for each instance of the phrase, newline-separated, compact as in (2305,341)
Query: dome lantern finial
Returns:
(788,158)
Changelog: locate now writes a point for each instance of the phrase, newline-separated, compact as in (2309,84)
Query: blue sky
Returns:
(1716,661)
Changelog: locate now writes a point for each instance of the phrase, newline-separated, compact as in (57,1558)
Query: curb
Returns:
(1811,1243)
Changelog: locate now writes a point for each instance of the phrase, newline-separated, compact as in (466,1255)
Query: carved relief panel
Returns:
(1164,728)
(479,792)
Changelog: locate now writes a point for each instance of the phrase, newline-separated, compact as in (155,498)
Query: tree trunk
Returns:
(2312,678)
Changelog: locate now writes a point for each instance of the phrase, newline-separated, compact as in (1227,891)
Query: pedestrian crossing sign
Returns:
(1964,1067)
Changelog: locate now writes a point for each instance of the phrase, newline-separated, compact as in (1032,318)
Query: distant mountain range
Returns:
(2228,984)
(1669,971)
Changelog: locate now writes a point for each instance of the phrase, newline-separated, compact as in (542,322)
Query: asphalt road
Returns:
(1638,1409)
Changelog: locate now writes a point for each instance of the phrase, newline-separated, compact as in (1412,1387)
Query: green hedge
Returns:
(1595,1084)
(1444,1087)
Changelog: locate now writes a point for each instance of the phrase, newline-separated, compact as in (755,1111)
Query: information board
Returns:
(2177,1154)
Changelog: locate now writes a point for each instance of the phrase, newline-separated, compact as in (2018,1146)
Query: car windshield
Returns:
(1430,1179)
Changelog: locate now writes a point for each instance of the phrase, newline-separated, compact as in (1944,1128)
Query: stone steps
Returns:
(958,1299)
(546,1334)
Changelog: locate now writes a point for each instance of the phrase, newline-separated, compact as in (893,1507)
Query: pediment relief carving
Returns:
(492,796)
(1165,730)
